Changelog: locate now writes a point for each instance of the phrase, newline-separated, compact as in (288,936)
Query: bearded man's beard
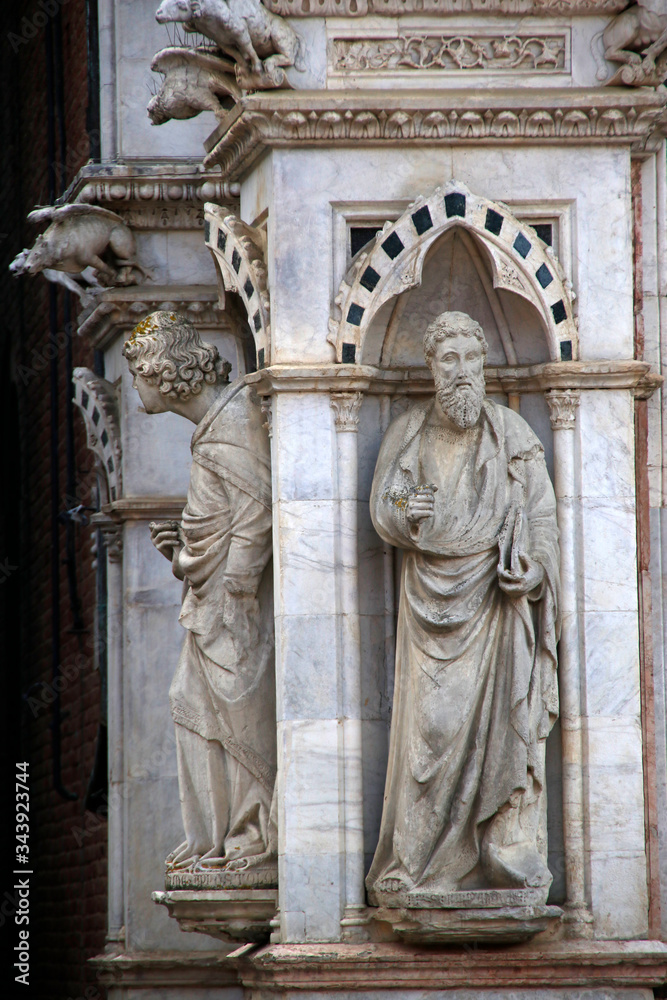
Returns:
(462,404)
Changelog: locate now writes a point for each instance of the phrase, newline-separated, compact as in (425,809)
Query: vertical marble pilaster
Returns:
(345,406)
(563,406)
(112,534)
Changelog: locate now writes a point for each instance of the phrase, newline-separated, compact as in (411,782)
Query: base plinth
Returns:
(227,914)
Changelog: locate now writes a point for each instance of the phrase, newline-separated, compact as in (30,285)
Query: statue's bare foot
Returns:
(266,860)
(184,856)
(171,857)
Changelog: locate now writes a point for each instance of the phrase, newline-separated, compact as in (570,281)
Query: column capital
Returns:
(112,536)
(563,405)
(346,407)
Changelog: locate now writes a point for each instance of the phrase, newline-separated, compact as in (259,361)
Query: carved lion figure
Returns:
(637,38)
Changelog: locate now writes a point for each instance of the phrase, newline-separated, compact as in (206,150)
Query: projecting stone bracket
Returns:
(227,914)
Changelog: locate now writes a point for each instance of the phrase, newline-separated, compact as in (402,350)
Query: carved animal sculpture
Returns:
(194,81)
(637,38)
(244,30)
(87,293)
(77,237)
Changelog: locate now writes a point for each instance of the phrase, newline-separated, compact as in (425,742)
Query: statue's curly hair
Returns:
(167,351)
(451,324)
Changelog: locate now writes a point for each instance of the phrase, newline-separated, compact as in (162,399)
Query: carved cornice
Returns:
(98,403)
(556,116)
(143,509)
(166,969)
(563,404)
(120,309)
(374,967)
(392,8)
(346,406)
(335,378)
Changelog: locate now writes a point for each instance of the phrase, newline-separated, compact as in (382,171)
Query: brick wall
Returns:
(68,843)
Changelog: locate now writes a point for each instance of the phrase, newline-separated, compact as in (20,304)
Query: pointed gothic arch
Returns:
(520,263)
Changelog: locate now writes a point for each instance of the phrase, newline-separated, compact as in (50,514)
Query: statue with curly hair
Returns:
(223,694)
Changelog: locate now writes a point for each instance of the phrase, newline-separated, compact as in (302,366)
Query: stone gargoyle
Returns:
(260,42)
(194,81)
(637,38)
(80,237)
(86,292)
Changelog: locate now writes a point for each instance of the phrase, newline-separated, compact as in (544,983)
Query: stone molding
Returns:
(563,404)
(560,116)
(334,378)
(120,309)
(98,402)
(393,966)
(392,8)
(239,252)
(346,406)
(480,51)
(169,969)
(143,509)
(114,183)
(393,263)
(112,534)
(241,915)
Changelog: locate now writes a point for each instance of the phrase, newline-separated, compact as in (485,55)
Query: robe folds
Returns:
(475,691)
(223,693)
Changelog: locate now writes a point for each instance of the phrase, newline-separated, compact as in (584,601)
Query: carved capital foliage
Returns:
(113,540)
(346,406)
(563,405)
(98,403)
(239,252)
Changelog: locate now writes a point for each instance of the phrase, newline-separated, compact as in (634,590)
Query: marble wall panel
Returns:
(304,439)
(304,646)
(307,183)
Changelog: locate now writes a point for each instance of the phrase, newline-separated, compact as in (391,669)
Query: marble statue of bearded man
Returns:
(223,693)
(461,486)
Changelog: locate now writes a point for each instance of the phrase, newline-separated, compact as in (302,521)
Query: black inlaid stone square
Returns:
(558,309)
(369,279)
(393,245)
(207,230)
(544,275)
(222,240)
(566,350)
(522,245)
(257,320)
(494,221)
(248,288)
(455,204)
(96,416)
(349,353)
(422,220)
(354,314)
(236,261)
(84,400)
(260,358)
(104,438)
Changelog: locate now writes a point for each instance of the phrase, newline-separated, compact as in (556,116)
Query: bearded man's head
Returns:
(460,395)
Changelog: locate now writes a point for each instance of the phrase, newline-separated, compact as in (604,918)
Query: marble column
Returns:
(345,406)
(563,406)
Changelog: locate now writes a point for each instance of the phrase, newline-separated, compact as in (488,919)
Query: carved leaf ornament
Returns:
(239,253)
(520,262)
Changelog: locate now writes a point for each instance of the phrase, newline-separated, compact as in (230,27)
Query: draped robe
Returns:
(475,690)
(223,693)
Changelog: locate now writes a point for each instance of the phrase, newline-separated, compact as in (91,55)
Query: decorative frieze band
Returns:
(393,8)
(496,53)
(571,121)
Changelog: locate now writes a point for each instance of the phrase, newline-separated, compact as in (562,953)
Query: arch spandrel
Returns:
(520,263)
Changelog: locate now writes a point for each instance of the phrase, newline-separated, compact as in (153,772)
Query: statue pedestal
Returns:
(227,914)
(486,915)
